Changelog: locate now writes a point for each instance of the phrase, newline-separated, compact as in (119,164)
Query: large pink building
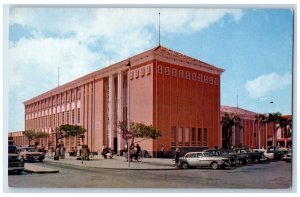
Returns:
(178,94)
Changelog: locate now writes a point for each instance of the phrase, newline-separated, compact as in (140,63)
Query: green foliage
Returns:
(140,130)
(228,121)
(32,135)
(68,130)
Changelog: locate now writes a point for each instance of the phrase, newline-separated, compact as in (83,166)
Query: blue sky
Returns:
(254,46)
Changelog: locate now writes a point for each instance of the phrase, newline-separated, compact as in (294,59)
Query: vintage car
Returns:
(267,154)
(224,153)
(15,165)
(288,156)
(31,154)
(252,157)
(202,159)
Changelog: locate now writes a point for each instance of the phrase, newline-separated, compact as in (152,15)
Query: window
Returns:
(159,69)
(194,76)
(193,136)
(200,77)
(142,72)
(68,117)
(136,73)
(186,136)
(181,74)
(173,136)
(167,71)
(199,136)
(216,81)
(58,119)
(174,72)
(131,75)
(63,117)
(148,70)
(179,137)
(205,79)
(205,137)
(73,116)
(211,80)
(188,75)
(78,115)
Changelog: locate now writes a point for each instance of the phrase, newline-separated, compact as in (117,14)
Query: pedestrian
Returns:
(57,153)
(162,151)
(138,150)
(62,152)
(83,151)
(87,152)
(50,151)
(177,152)
(79,150)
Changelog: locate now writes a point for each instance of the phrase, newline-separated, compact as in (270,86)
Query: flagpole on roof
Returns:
(159,29)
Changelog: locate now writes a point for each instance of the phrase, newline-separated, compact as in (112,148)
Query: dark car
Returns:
(223,153)
(15,165)
(288,156)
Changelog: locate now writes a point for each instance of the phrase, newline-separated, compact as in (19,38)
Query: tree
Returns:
(261,120)
(139,130)
(68,130)
(285,124)
(32,135)
(274,118)
(228,121)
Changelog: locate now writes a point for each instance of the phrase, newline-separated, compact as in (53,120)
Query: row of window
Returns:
(184,137)
(146,70)
(54,119)
(194,76)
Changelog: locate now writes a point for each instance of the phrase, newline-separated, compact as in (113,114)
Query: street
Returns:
(271,175)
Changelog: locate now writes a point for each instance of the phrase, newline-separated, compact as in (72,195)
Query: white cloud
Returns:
(118,33)
(264,85)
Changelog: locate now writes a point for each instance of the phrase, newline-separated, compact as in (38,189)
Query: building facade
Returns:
(177,94)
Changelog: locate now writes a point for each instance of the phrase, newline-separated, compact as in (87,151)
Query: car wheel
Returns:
(184,165)
(215,165)
(41,160)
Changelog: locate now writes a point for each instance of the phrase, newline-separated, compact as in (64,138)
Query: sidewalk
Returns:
(118,162)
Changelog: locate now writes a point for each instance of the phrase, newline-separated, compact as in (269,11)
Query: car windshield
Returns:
(191,155)
(12,149)
(29,150)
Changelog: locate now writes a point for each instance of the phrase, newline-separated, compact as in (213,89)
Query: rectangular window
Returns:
(205,79)
(188,75)
(174,72)
(199,137)
(54,122)
(187,137)
(78,116)
(62,117)
(181,74)
(167,71)
(159,69)
(193,136)
(68,117)
(179,137)
(131,75)
(58,119)
(136,73)
(73,116)
(142,71)
(173,136)
(194,76)
(216,81)
(148,70)
(211,81)
(205,137)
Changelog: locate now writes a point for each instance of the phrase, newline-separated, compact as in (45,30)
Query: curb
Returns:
(111,168)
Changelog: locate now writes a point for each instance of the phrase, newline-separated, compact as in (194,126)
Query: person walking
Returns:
(138,150)
(50,151)
(57,153)
(177,152)
(62,152)
(162,151)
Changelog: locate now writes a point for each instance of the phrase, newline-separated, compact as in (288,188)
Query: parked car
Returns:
(31,154)
(252,157)
(15,165)
(288,156)
(224,153)
(279,152)
(242,156)
(268,155)
(202,159)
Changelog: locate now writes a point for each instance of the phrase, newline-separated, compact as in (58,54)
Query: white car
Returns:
(266,153)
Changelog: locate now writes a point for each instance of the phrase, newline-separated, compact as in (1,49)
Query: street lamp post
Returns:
(128,117)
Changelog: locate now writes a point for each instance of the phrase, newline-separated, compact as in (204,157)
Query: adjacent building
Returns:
(176,93)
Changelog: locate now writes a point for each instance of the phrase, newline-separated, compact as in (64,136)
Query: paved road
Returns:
(259,176)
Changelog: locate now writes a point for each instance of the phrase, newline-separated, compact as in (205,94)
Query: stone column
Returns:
(120,110)
(111,111)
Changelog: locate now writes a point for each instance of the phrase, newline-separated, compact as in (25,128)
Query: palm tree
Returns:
(261,120)
(274,118)
(228,121)
(285,125)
